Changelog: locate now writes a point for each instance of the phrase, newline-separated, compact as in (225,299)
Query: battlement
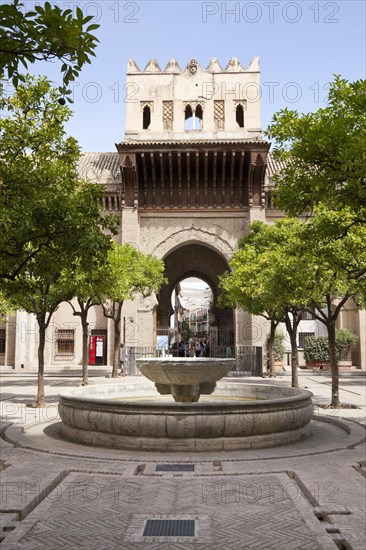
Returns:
(214,66)
(193,102)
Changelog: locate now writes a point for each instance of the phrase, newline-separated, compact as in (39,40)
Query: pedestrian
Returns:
(197,349)
(123,359)
(192,352)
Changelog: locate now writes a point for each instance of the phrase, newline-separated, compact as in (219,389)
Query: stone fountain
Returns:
(185,380)
(205,413)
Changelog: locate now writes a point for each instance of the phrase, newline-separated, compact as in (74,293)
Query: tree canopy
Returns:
(324,153)
(39,181)
(44,34)
(129,272)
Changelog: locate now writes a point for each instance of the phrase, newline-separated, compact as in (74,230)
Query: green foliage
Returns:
(43,203)
(185,330)
(344,340)
(316,349)
(266,277)
(44,34)
(279,347)
(324,153)
(5,307)
(130,271)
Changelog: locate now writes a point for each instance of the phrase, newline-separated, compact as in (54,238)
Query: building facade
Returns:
(190,175)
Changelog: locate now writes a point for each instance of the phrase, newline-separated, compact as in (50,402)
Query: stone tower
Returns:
(193,170)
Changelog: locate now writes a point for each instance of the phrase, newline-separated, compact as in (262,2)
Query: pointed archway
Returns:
(205,263)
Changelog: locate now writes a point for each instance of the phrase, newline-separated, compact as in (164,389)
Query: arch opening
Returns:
(196,266)
(146,117)
(240,116)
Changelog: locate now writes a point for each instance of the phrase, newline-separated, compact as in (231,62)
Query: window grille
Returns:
(307,316)
(65,342)
(303,336)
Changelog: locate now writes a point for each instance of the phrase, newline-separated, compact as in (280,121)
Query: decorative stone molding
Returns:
(149,104)
(194,235)
(152,67)
(194,105)
(234,66)
(172,66)
(242,102)
(254,65)
(132,67)
(192,66)
(214,65)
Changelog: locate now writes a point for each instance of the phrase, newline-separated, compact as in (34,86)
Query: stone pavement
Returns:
(59,495)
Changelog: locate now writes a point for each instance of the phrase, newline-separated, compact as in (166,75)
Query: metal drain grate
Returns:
(174,468)
(169,528)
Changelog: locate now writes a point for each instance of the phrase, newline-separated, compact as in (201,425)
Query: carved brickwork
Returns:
(168,115)
(219,113)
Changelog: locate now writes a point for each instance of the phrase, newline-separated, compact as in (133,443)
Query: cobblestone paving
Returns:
(59,495)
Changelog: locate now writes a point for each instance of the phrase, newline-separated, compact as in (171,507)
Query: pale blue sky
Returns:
(300,44)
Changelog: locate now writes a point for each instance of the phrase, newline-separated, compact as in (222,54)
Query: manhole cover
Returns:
(174,468)
(169,528)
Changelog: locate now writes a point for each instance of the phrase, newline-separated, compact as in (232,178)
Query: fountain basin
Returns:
(186,378)
(239,415)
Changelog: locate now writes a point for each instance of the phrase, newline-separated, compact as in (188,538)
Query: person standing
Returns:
(123,359)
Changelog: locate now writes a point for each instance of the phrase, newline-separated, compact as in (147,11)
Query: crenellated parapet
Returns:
(214,66)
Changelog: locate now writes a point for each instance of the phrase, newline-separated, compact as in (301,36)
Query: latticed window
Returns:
(219,113)
(2,340)
(65,342)
(168,115)
(303,336)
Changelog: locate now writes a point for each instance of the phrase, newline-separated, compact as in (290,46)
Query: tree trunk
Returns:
(270,345)
(294,360)
(292,332)
(85,360)
(333,364)
(117,339)
(40,402)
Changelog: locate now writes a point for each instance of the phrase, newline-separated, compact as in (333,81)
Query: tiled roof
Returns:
(100,167)
(274,165)
(104,167)
(191,142)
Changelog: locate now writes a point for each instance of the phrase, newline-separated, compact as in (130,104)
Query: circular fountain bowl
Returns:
(238,415)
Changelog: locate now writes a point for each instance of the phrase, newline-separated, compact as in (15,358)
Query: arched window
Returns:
(188,118)
(193,118)
(146,117)
(240,116)
(198,116)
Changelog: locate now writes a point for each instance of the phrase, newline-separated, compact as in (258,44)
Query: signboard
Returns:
(162,342)
(99,346)
(96,350)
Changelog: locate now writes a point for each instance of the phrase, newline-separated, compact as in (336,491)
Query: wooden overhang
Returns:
(202,174)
